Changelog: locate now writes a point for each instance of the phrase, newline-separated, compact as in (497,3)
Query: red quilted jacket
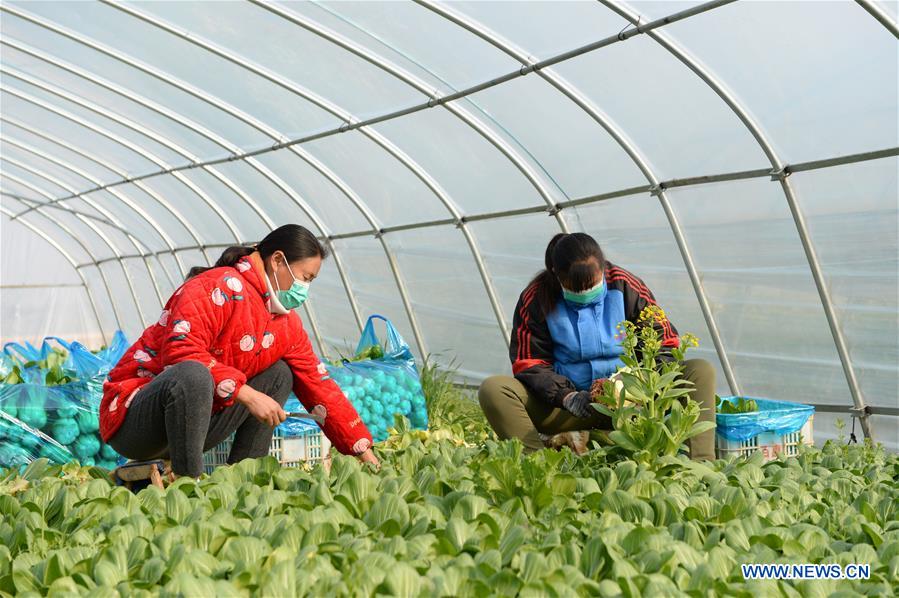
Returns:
(221,319)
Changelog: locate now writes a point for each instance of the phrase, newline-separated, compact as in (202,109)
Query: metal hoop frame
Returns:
(554,199)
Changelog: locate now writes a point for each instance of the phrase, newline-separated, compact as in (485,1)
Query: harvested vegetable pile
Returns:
(47,398)
(444,517)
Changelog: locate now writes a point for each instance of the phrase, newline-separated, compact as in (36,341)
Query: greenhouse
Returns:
(419,211)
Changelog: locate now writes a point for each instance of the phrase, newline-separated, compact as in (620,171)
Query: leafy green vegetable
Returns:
(740,405)
(454,515)
(648,400)
(14,376)
(371,352)
(46,397)
(64,431)
(446,518)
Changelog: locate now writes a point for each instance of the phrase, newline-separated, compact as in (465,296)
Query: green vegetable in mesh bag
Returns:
(371,352)
(88,422)
(55,454)
(22,438)
(64,431)
(9,407)
(64,410)
(13,455)
(108,453)
(57,376)
(381,381)
(86,446)
(32,409)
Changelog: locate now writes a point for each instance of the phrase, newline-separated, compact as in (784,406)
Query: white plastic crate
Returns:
(290,451)
(770,444)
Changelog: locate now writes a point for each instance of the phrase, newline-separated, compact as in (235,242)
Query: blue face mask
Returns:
(296,295)
(585,297)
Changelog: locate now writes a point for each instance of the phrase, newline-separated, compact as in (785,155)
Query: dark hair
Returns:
(572,260)
(295,241)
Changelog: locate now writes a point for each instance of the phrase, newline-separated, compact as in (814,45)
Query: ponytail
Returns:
(294,241)
(548,287)
(570,258)
(228,258)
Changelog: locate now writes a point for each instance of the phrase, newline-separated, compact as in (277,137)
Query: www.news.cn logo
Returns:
(806,571)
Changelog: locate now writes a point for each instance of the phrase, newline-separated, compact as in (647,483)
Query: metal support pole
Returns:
(117,194)
(881,15)
(630,148)
(87,222)
(778,172)
(112,168)
(65,254)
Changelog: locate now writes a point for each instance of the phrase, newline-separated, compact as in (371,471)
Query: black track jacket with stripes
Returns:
(531,346)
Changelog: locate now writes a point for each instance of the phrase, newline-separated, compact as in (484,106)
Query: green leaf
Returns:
(511,542)
(245,552)
(593,558)
(280,580)
(177,506)
(402,580)
(319,534)
(111,566)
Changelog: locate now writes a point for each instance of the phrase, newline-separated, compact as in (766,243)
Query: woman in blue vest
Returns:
(564,340)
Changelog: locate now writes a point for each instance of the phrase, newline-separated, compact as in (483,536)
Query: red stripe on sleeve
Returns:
(523,333)
(669,339)
(525,364)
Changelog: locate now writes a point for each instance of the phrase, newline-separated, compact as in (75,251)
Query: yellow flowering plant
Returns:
(648,399)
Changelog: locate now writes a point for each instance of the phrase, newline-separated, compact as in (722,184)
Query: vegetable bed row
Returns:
(444,517)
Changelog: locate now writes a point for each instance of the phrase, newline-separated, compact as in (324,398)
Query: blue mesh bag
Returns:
(382,381)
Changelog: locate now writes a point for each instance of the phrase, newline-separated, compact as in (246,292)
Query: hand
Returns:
(578,403)
(261,406)
(369,457)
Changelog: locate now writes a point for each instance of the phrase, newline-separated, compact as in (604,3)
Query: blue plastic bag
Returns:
(383,387)
(20,444)
(778,417)
(67,412)
(295,426)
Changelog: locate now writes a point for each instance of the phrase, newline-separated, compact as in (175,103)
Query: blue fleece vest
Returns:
(584,344)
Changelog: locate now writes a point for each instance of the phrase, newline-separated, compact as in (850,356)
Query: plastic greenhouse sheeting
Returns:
(741,157)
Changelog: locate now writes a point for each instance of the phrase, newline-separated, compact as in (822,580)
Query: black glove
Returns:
(579,404)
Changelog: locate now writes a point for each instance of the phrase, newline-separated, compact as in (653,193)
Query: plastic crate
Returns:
(769,441)
(307,448)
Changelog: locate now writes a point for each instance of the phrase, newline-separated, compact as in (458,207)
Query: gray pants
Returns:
(171,417)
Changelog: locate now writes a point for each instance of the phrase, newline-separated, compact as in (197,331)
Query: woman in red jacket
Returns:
(223,357)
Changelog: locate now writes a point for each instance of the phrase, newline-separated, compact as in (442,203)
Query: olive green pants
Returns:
(514,412)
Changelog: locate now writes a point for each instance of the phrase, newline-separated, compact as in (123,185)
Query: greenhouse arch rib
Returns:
(632,151)
(622,36)
(112,137)
(777,173)
(882,17)
(375,136)
(113,168)
(150,157)
(176,118)
(87,221)
(118,194)
(86,124)
(45,236)
(245,118)
(435,100)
